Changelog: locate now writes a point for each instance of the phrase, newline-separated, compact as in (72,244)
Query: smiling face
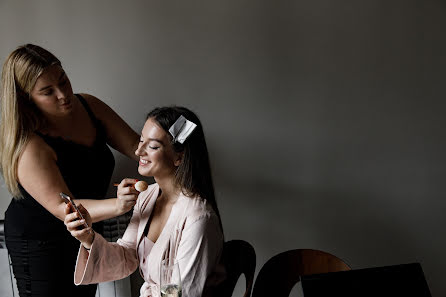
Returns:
(157,157)
(52,93)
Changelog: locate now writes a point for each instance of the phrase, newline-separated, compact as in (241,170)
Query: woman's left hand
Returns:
(76,226)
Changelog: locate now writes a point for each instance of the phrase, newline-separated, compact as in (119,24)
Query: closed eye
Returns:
(49,92)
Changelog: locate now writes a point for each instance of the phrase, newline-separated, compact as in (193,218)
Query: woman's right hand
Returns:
(75,225)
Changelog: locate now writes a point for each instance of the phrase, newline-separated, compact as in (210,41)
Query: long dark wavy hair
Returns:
(194,173)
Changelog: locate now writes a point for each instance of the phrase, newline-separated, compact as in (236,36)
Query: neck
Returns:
(170,191)
(60,126)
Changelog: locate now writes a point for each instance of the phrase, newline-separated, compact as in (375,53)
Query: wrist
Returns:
(89,242)
(118,208)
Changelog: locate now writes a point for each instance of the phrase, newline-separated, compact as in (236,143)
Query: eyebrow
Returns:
(154,139)
(62,75)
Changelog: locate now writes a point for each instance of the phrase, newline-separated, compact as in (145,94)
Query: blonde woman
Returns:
(175,219)
(53,141)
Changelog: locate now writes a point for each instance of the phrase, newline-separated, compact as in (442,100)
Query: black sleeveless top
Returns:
(86,171)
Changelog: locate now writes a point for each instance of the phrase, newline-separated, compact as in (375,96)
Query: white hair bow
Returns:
(181,129)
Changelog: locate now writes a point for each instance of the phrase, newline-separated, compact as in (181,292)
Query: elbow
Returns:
(59,211)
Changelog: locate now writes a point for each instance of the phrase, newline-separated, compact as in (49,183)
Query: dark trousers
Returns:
(45,268)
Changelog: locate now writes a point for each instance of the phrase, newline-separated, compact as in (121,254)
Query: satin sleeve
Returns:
(108,261)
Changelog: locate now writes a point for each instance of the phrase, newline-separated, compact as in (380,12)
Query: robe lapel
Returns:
(146,211)
(168,241)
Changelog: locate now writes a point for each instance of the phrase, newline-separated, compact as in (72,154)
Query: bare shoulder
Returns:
(37,148)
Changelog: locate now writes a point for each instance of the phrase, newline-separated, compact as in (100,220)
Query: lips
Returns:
(143,162)
(67,103)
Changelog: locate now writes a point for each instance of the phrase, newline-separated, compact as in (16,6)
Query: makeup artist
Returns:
(53,141)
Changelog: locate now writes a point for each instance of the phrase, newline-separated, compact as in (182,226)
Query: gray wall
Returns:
(325,119)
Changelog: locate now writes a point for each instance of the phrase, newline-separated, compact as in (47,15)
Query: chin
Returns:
(143,172)
(66,110)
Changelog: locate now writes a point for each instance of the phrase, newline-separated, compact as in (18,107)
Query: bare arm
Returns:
(39,175)
(103,209)
(119,134)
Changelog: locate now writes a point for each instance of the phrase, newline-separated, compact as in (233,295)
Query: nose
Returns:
(60,93)
(139,151)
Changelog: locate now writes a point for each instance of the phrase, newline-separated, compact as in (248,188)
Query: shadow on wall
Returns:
(363,229)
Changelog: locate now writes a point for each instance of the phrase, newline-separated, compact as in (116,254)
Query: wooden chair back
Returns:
(280,273)
(239,258)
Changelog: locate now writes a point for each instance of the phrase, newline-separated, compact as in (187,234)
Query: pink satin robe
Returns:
(191,236)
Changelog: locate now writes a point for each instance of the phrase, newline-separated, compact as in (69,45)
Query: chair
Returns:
(385,281)
(239,257)
(280,273)
(3,246)
(2,234)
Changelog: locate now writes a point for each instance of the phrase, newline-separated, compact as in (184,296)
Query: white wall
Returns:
(325,119)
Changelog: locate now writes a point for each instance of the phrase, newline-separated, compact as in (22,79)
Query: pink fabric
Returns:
(143,252)
(191,236)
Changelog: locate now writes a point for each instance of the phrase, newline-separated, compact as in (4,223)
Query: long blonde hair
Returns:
(19,116)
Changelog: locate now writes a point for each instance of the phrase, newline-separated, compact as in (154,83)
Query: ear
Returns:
(179,159)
